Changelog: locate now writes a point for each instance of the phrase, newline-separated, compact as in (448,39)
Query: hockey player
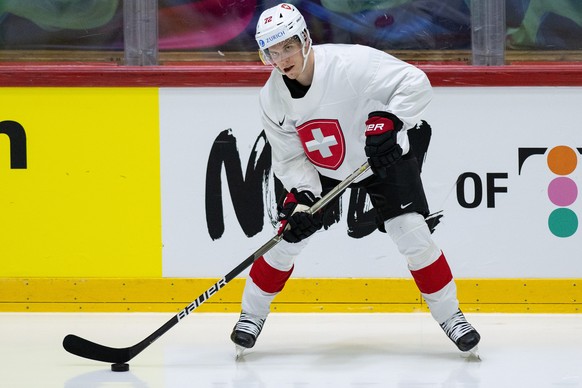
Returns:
(325,110)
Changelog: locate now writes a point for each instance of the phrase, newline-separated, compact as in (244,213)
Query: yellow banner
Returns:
(80,182)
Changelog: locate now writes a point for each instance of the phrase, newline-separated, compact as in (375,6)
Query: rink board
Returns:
(112,185)
(355,295)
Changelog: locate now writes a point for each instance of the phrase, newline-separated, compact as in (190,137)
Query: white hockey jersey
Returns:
(324,130)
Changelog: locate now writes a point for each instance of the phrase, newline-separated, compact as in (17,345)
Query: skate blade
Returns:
(472,355)
(239,352)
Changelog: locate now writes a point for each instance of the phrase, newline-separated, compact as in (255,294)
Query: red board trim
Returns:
(252,74)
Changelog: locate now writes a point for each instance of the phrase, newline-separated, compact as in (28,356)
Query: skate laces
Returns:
(249,324)
(456,326)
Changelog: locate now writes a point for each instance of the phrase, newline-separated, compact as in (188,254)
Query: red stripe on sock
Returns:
(434,277)
(267,278)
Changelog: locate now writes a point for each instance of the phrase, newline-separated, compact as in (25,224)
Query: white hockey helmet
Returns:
(278,24)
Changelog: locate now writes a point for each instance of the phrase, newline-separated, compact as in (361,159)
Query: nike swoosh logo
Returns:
(405,206)
(282,121)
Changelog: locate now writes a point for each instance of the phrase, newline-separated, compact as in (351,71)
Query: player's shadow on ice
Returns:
(390,358)
(347,353)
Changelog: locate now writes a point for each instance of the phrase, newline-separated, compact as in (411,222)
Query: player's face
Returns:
(288,57)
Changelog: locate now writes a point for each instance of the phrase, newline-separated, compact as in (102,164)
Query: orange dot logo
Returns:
(562,160)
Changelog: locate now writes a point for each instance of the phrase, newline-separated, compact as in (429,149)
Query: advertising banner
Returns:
(79,182)
(177,182)
(501,174)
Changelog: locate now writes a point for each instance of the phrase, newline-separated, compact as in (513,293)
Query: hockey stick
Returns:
(93,351)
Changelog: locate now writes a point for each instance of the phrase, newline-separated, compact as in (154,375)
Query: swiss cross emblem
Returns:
(323,142)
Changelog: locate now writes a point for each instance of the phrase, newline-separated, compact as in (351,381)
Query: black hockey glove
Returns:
(381,147)
(295,224)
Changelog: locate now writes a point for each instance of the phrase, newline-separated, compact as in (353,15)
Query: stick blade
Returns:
(87,349)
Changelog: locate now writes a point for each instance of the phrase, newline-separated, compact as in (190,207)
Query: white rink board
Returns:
(475,130)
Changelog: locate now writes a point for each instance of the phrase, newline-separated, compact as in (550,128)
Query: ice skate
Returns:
(245,332)
(462,333)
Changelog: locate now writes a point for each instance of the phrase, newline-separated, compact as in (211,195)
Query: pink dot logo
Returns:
(562,191)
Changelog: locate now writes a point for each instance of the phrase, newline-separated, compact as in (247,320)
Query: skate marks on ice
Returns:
(307,350)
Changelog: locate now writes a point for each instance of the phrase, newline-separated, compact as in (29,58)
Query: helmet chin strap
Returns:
(305,55)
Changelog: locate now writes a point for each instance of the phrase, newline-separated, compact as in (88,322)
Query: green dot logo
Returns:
(563,222)
(562,191)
